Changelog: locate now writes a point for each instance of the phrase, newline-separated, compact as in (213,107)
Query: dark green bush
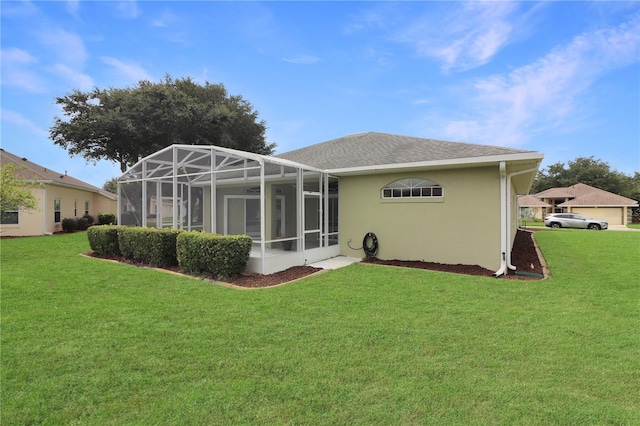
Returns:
(69,224)
(90,219)
(156,247)
(82,223)
(103,239)
(221,255)
(106,219)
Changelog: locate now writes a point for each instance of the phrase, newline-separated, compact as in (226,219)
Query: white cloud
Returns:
(303,59)
(77,79)
(129,71)
(17,56)
(72,7)
(508,109)
(68,47)
(17,119)
(16,71)
(466,38)
(164,20)
(127,9)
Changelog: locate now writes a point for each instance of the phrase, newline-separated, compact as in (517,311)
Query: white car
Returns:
(574,220)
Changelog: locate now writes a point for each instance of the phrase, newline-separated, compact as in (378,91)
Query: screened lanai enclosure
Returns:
(290,210)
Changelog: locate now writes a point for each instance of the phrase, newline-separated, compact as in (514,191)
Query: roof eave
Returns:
(449,163)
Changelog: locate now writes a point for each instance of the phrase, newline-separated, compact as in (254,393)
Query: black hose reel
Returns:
(370,244)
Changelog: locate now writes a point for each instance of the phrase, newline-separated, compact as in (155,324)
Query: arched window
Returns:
(412,188)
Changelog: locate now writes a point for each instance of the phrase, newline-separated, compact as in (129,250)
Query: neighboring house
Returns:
(424,199)
(60,196)
(589,201)
(532,208)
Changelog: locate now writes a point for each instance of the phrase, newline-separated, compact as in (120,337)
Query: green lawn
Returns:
(90,342)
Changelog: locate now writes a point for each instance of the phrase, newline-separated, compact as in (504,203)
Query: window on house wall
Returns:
(412,188)
(56,211)
(10,218)
(86,208)
(75,208)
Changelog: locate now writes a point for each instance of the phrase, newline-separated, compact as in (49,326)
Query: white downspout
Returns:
(503,220)
(509,215)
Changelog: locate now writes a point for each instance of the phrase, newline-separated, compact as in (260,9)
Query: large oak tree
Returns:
(126,124)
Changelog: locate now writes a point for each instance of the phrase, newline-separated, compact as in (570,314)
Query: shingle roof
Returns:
(31,171)
(581,194)
(375,149)
(555,193)
(531,201)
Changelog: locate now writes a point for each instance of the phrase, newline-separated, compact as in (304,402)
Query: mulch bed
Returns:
(245,279)
(524,256)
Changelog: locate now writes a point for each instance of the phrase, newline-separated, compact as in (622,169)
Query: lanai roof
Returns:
(371,149)
(29,171)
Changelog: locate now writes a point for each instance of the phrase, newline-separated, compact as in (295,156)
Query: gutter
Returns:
(505,217)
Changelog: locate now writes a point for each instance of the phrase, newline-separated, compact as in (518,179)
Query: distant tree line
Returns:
(591,172)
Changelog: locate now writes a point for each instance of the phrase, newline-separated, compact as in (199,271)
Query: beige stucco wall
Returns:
(41,221)
(463,227)
(613,215)
(30,221)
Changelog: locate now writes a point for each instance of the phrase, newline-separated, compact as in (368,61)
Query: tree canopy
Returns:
(111,185)
(15,192)
(591,172)
(126,124)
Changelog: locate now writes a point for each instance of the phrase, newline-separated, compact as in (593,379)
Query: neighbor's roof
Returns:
(363,150)
(32,171)
(585,195)
(531,201)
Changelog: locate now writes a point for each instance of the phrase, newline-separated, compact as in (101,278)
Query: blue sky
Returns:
(560,78)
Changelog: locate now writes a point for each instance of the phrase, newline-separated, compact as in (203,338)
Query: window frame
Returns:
(57,207)
(17,216)
(412,189)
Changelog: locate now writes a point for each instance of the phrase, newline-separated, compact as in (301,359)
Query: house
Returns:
(424,199)
(532,208)
(59,196)
(589,201)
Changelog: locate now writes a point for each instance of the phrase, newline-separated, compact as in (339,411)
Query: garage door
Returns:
(613,215)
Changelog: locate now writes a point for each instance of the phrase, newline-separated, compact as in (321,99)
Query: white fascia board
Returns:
(455,162)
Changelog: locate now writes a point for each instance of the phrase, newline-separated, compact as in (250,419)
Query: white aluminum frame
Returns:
(187,166)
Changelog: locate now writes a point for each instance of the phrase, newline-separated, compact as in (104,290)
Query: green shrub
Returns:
(221,255)
(106,219)
(103,239)
(156,247)
(69,224)
(90,219)
(82,223)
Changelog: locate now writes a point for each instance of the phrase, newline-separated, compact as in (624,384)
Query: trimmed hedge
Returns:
(103,239)
(221,255)
(157,247)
